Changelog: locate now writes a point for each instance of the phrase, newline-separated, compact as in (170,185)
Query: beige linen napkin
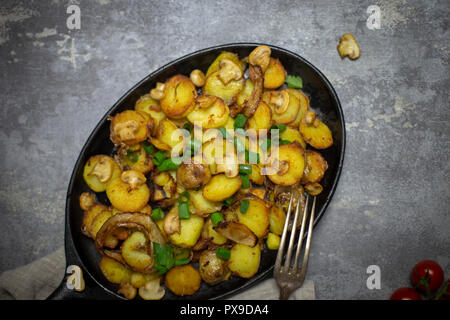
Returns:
(37,280)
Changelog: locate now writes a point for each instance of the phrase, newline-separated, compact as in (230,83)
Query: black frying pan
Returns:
(81,251)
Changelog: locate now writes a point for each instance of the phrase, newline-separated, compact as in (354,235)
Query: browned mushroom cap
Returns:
(136,221)
(236,232)
(192,175)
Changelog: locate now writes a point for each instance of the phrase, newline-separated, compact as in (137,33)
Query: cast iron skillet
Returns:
(81,251)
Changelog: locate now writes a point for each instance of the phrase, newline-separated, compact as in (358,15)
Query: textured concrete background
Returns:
(392,204)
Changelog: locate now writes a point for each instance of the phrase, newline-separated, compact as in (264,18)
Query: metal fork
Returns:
(289,277)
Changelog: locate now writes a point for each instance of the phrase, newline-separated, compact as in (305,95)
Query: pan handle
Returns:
(64,293)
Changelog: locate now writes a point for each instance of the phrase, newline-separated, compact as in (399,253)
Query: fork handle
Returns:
(285,293)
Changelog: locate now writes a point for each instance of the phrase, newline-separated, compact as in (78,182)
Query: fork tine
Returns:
(287,262)
(308,239)
(302,231)
(283,237)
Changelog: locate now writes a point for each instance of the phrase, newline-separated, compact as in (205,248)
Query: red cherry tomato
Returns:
(427,276)
(406,294)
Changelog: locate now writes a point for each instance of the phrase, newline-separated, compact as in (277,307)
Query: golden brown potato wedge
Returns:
(183,280)
(256,218)
(277,217)
(244,260)
(179,96)
(201,205)
(151,106)
(211,234)
(99,170)
(220,187)
(291,134)
(190,231)
(315,168)
(224,55)
(126,199)
(316,134)
(166,132)
(262,118)
(114,271)
(89,216)
(290,163)
(246,92)
(228,93)
(214,116)
(275,74)
(140,161)
(273,241)
(130,127)
(304,106)
(135,251)
(289,115)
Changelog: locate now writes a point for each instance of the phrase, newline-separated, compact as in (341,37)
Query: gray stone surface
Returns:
(391,207)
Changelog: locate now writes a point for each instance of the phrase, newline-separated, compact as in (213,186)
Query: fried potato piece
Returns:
(224,55)
(262,118)
(114,271)
(183,280)
(315,168)
(256,176)
(277,217)
(236,232)
(273,241)
(126,199)
(208,232)
(244,260)
(256,218)
(304,106)
(246,92)
(215,116)
(201,205)
(89,216)
(228,93)
(130,127)
(316,134)
(135,251)
(190,231)
(143,163)
(292,135)
(275,74)
(287,116)
(220,187)
(179,96)
(166,133)
(99,170)
(150,106)
(98,221)
(139,280)
(291,163)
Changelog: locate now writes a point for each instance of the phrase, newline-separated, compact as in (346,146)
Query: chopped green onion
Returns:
(252,155)
(167,165)
(184,197)
(240,146)
(228,202)
(245,168)
(284,142)
(183,211)
(159,157)
(244,206)
(294,82)
(223,253)
(132,156)
(239,121)
(245,181)
(223,132)
(148,147)
(157,214)
(280,127)
(188,126)
(216,217)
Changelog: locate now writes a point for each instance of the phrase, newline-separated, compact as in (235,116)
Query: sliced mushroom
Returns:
(103,169)
(230,166)
(283,167)
(280,99)
(152,290)
(260,56)
(133,178)
(310,117)
(171,222)
(229,71)
(236,232)
(205,101)
(127,290)
(126,130)
(348,47)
